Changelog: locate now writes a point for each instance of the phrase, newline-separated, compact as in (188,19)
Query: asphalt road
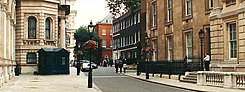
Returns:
(109,81)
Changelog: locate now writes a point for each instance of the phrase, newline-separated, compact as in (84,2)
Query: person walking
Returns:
(116,65)
(207,62)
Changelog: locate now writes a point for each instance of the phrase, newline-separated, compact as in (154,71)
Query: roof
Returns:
(52,49)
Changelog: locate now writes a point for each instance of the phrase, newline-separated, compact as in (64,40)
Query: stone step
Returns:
(189,81)
(193,76)
(189,78)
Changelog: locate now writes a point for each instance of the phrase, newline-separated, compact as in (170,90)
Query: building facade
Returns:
(7,43)
(126,35)
(39,24)
(227,22)
(70,28)
(173,27)
(104,30)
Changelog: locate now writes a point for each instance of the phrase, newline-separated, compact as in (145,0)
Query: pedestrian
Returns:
(207,62)
(120,65)
(125,67)
(116,65)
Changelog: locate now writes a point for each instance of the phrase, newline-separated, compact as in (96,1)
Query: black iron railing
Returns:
(169,67)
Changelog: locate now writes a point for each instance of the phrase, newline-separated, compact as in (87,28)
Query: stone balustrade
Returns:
(6,70)
(222,79)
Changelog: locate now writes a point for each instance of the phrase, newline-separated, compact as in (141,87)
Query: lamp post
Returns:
(201,36)
(91,30)
(79,52)
(146,55)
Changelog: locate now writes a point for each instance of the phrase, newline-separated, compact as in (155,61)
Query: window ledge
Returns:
(153,28)
(187,17)
(168,23)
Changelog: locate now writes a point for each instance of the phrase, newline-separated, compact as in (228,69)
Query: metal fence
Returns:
(169,66)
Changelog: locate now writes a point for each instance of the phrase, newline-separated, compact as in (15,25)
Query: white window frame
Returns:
(169,10)
(170,48)
(189,48)
(104,43)
(232,40)
(138,17)
(188,2)
(111,43)
(154,14)
(154,56)
(103,31)
(111,32)
(211,4)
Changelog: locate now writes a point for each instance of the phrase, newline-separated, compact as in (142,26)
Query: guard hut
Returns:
(53,61)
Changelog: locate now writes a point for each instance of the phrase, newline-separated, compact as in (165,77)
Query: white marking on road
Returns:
(109,76)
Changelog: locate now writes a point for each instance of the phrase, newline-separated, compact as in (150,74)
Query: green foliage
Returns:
(127,5)
(82,35)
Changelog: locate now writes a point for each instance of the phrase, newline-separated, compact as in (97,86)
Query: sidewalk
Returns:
(49,83)
(176,83)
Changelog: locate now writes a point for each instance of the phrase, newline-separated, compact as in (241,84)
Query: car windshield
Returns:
(85,61)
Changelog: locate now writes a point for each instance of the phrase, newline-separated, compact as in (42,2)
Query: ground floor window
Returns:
(31,58)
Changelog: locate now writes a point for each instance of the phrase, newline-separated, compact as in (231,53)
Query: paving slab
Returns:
(49,83)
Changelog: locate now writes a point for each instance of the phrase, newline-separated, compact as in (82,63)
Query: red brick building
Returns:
(104,30)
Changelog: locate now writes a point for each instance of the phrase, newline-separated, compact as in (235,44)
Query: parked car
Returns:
(85,65)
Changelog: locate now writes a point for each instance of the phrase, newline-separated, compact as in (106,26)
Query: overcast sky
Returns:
(87,10)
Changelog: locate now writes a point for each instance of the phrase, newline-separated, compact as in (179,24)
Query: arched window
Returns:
(47,29)
(32,27)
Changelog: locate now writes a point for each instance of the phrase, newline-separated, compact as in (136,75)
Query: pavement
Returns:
(176,83)
(49,83)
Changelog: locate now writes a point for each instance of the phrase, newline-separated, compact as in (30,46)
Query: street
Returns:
(109,81)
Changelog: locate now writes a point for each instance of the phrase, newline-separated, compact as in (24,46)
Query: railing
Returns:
(169,67)
(224,79)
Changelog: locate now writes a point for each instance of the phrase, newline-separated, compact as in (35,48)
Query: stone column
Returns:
(62,32)
(5,71)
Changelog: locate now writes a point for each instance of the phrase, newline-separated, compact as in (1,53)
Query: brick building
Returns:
(104,30)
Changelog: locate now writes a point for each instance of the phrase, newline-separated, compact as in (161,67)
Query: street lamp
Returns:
(91,30)
(79,53)
(147,39)
(201,36)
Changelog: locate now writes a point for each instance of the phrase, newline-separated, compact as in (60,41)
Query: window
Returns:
(103,31)
(138,35)
(169,10)
(232,40)
(154,50)
(31,58)
(170,48)
(230,2)
(211,4)
(68,39)
(32,27)
(47,29)
(138,17)
(154,15)
(104,43)
(188,7)
(111,43)
(189,45)
(111,33)
(135,19)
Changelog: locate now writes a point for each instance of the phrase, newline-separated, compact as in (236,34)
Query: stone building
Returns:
(39,24)
(227,23)
(70,28)
(7,43)
(173,27)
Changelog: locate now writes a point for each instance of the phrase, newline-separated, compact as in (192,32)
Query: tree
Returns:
(82,35)
(115,6)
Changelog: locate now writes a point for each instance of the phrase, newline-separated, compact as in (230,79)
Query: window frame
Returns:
(30,58)
(103,32)
(32,27)
(154,14)
(170,48)
(47,30)
(232,40)
(169,11)
(189,47)
(188,13)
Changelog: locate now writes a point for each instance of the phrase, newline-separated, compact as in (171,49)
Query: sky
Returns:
(88,10)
